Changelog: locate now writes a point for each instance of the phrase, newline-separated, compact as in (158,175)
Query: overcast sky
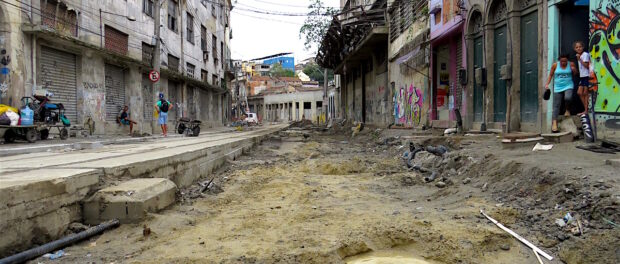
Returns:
(257,35)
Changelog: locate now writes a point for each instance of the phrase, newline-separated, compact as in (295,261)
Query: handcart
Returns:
(188,126)
(11,133)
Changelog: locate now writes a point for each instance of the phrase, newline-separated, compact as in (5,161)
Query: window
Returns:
(147,53)
(222,53)
(203,38)
(116,41)
(190,70)
(57,16)
(204,76)
(214,79)
(214,49)
(173,63)
(147,7)
(190,28)
(213,10)
(204,3)
(172,15)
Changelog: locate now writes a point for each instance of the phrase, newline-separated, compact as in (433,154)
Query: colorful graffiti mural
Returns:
(408,106)
(605,52)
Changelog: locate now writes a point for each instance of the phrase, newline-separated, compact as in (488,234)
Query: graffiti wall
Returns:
(92,101)
(605,52)
(408,101)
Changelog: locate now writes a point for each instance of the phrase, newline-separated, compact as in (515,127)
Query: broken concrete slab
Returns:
(570,124)
(562,137)
(130,201)
(516,140)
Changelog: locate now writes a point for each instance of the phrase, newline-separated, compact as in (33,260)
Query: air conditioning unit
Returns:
(205,55)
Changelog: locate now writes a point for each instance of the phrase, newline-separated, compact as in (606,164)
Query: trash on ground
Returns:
(56,255)
(541,147)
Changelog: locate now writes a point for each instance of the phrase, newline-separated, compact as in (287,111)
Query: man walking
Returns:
(162,107)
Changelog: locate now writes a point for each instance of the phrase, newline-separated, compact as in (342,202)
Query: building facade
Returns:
(447,59)
(294,105)
(94,57)
(287,62)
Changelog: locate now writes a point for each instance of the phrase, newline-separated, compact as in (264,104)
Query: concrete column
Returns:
(553,42)
(313,112)
(514,59)
(488,53)
(133,97)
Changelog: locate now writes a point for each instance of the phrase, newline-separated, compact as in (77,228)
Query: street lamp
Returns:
(130,18)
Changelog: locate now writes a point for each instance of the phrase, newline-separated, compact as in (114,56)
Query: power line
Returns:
(268,19)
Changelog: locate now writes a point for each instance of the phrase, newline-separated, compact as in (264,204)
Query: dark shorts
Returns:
(124,121)
(584,81)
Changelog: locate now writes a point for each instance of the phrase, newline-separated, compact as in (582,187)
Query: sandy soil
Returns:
(331,198)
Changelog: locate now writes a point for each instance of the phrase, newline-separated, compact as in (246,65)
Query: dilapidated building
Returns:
(94,57)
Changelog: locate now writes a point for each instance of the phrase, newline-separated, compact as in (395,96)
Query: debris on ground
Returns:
(56,255)
(329,196)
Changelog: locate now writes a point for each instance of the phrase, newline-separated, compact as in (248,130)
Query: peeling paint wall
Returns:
(408,77)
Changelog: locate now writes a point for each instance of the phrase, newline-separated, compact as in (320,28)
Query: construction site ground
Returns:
(307,196)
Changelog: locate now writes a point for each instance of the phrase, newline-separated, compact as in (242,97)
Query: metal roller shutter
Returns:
(147,94)
(58,76)
(458,96)
(114,91)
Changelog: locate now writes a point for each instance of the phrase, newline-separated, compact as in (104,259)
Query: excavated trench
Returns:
(330,198)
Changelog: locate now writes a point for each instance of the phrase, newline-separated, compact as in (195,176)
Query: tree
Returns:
(315,72)
(278,71)
(316,24)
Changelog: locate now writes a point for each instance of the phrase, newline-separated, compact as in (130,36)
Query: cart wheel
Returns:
(44,134)
(196,131)
(31,135)
(64,134)
(181,128)
(9,136)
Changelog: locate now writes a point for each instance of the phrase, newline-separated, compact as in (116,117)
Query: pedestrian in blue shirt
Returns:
(162,107)
(562,71)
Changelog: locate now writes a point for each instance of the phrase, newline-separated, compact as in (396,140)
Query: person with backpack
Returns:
(162,107)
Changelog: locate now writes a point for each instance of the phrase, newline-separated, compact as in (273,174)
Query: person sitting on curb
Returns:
(123,118)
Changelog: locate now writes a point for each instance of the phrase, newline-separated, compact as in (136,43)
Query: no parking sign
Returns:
(154,76)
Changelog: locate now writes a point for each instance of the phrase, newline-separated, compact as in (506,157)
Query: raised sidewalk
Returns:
(41,193)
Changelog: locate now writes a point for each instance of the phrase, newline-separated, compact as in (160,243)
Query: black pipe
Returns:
(60,243)
(459,121)
(431,178)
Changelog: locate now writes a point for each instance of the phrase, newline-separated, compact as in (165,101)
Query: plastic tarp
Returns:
(4,108)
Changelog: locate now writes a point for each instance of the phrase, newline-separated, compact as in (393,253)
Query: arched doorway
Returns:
(497,21)
(476,36)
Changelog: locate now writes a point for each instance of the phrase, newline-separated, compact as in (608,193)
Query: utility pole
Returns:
(324,105)
(156,54)
(237,92)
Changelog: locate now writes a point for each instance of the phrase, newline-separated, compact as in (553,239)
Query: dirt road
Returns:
(331,198)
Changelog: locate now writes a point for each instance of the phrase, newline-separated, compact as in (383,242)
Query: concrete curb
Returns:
(86,144)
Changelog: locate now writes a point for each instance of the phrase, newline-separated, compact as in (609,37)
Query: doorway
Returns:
(529,68)
(478,92)
(499,85)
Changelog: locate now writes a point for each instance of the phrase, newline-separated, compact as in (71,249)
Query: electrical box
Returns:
(480,76)
(505,72)
(462,76)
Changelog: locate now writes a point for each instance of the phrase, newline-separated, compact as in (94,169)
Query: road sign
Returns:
(154,76)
